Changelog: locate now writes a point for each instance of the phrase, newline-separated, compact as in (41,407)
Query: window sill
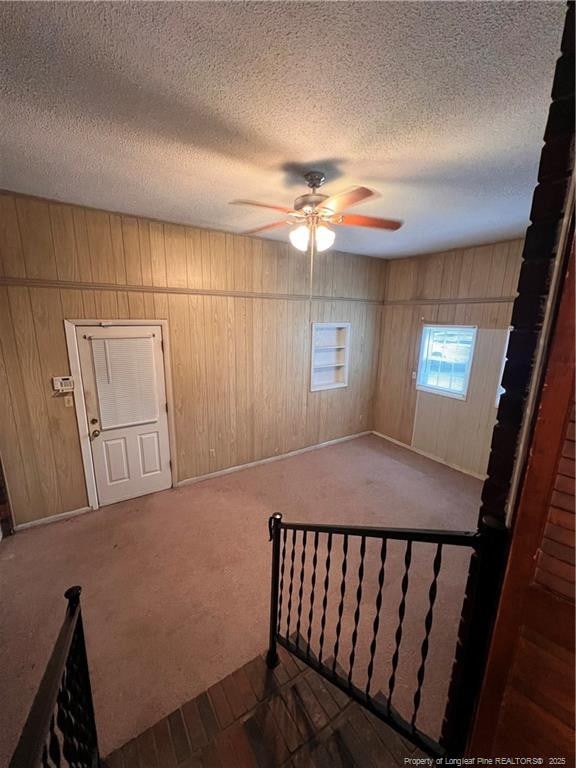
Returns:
(442,392)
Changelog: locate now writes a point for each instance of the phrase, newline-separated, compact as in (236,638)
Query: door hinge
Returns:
(166,407)
(162,344)
(170,463)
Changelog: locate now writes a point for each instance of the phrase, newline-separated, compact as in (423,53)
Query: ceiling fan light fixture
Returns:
(300,237)
(324,237)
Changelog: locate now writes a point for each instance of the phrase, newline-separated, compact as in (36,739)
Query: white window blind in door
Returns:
(125,381)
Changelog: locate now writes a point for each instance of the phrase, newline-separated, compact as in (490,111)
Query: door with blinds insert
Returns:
(125,395)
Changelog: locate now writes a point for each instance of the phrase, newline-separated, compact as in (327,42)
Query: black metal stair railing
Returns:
(61,728)
(324,583)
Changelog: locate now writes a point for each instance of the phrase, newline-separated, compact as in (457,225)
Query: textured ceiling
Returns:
(172,110)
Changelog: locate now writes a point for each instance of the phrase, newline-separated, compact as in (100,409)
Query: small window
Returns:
(446,353)
(330,351)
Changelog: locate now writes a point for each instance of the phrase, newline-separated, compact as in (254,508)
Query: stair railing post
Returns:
(483,587)
(274,528)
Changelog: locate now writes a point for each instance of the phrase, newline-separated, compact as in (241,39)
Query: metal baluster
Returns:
(428,626)
(312,588)
(341,605)
(301,589)
(281,595)
(325,598)
(291,587)
(401,612)
(275,530)
(376,624)
(54,743)
(357,611)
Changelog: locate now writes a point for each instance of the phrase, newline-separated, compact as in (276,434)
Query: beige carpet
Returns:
(176,585)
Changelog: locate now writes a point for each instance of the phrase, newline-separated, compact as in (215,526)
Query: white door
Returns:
(125,394)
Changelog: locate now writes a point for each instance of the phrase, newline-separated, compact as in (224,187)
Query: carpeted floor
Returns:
(176,584)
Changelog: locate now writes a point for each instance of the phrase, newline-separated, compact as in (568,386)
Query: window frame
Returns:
(443,392)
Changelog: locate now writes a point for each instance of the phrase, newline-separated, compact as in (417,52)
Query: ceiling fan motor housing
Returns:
(307,203)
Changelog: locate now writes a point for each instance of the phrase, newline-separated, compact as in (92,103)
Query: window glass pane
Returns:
(446,358)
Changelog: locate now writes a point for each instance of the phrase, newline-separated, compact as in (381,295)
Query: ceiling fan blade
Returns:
(352,220)
(347,199)
(280,208)
(274,225)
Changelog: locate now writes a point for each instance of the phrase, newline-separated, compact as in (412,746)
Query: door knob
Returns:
(95,434)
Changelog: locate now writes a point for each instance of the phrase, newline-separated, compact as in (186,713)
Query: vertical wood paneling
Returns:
(161,306)
(456,432)
(36,237)
(396,391)
(198,388)
(131,240)
(298,365)
(72,305)
(47,317)
(243,380)
(64,239)
(89,304)
(22,418)
(11,455)
(145,253)
(183,392)
(123,305)
(82,248)
(157,253)
(106,304)
(175,249)
(459,432)
(100,246)
(136,305)
(40,450)
(11,254)
(193,258)
(118,248)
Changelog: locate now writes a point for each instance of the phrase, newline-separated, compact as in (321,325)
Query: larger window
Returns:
(445,361)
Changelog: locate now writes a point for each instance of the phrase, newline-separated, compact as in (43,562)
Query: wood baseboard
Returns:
(192,480)
(238,467)
(52,518)
(429,456)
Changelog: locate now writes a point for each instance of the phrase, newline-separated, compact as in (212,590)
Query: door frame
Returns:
(80,405)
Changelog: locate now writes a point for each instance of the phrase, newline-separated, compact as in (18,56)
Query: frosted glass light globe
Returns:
(300,237)
(324,238)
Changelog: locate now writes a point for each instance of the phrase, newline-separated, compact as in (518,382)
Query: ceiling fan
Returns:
(314,213)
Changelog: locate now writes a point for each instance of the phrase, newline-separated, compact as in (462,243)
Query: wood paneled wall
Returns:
(239,320)
(471,286)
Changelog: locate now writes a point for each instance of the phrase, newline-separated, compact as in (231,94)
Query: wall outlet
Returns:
(68,401)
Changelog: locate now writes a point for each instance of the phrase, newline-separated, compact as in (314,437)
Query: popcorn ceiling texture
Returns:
(171,110)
